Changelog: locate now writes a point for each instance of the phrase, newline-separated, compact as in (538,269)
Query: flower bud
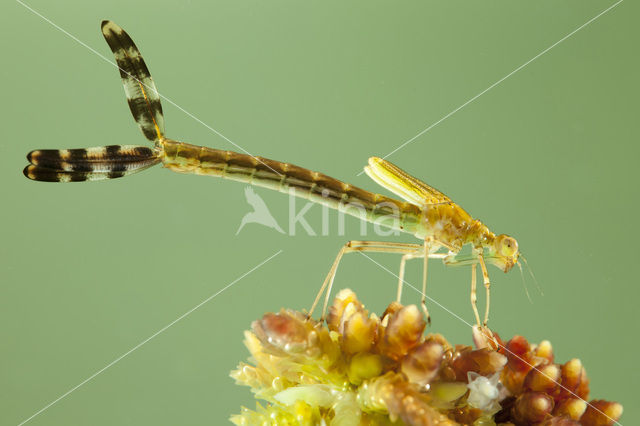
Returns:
(573,408)
(403,332)
(421,365)
(543,379)
(532,407)
(601,413)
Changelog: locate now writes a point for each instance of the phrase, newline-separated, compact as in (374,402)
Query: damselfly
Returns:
(426,213)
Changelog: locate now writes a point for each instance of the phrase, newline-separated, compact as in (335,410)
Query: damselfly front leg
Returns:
(476,257)
(474,296)
(487,286)
(425,263)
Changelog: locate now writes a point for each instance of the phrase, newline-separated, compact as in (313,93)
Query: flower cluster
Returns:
(361,369)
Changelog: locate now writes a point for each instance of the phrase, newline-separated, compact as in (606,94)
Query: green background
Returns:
(89,271)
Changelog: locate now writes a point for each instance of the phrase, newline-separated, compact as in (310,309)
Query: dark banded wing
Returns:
(98,163)
(142,95)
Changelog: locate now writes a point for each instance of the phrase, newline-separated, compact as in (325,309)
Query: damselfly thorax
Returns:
(439,223)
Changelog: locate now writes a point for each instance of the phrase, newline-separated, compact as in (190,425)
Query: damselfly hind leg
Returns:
(363,246)
(423,298)
(403,263)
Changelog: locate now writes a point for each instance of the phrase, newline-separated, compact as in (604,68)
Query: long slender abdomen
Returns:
(288,178)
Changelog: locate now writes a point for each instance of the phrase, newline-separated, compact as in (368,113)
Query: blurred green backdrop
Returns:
(91,270)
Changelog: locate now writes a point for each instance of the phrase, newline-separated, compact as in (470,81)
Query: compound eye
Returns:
(508,246)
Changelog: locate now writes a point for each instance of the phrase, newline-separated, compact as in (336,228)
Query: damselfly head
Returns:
(504,252)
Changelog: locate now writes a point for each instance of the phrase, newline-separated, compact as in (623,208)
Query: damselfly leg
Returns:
(487,286)
(362,246)
(403,262)
(408,251)
(476,257)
